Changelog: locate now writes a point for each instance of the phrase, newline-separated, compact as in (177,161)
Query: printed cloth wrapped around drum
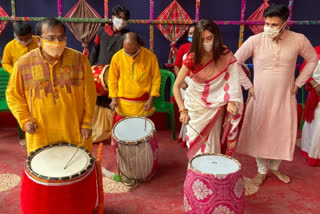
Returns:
(214,184)
(103,117)
(48,188)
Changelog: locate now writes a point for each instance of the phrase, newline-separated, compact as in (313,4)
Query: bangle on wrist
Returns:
(183,110)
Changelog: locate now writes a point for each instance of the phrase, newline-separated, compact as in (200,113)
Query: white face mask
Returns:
(208,46)
(272,32)
(132,55)
(119,23)
(24,43)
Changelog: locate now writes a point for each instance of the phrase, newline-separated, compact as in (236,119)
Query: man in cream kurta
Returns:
(134,79)
(51,91)
(270,122)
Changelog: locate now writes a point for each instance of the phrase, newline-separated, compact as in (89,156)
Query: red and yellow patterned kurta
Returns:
(63,97)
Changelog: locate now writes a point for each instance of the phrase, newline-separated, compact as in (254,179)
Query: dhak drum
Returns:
(214,184)
(48,188)
(100,76)
(136,146)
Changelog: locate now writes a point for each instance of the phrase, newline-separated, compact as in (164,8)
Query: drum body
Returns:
(214,184)
(100,76)
(48,188)
(136,147)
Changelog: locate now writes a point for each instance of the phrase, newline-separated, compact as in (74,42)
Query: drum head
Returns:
(50,161)
(215,164)
(133,129)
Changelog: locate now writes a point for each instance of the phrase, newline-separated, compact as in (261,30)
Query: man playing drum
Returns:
(134,79)
(51,91)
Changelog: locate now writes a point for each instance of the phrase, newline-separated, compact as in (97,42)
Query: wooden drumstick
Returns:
(145,121)
(74,154)
(196,132)
(228,120)
(30,99)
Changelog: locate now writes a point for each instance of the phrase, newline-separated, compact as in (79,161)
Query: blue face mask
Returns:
(189,38)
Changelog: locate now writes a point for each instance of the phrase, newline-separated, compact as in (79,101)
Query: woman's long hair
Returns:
(197,43)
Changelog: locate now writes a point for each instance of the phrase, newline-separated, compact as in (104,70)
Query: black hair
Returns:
(277,10)
(118,9)
(191,26)
(51,22)
(136,37)
(21,28)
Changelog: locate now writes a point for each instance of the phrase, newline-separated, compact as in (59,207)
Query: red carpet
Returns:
(164,192)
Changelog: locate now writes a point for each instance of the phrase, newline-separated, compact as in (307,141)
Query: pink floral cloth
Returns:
(216,194)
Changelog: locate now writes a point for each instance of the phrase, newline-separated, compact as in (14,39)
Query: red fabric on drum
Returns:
(77,198)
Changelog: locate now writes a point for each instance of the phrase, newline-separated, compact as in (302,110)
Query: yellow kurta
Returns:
(132,78)
(13,51)
(63,97)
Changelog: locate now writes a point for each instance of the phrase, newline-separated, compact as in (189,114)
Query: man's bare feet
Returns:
(259,179)
(282,177)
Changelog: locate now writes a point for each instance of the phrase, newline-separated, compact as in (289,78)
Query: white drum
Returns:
(215,164)
(50,162)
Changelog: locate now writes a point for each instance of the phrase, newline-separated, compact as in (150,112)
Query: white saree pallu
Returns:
(310,140)
(206,104)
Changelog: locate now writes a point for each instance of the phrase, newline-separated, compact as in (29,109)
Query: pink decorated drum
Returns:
(136,147)
(100,75)
(214,184)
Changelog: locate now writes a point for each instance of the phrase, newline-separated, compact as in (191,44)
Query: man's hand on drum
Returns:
(113,103)
(86,133)
(30,127)
(233,107)
(184,117)
(149,103)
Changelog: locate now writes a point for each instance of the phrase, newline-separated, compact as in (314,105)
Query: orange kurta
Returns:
(62,97)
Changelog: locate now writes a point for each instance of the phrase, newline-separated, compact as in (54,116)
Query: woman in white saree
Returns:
(213,100)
